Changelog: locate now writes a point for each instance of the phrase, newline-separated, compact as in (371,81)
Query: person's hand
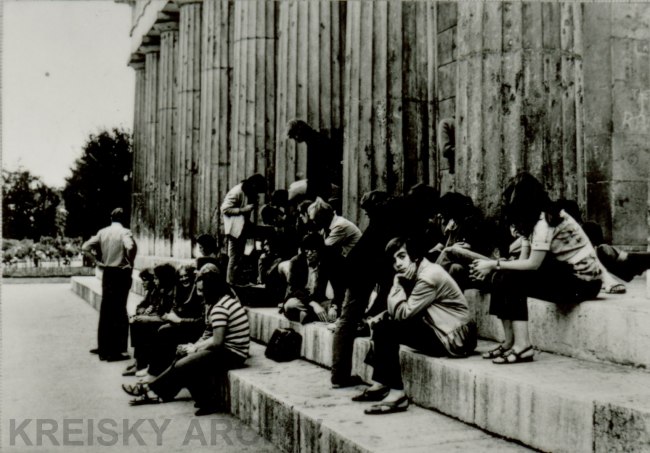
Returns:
(246,209)
(185,349)
(437,248)
(375,319)
(332,313)
(481,268)
(318,311)
(172,317)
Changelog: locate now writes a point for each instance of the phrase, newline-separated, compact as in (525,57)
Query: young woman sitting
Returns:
(560,267)
(426,311)
(223,346)
(144,325)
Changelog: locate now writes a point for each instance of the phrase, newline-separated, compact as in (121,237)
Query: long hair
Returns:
(524,200)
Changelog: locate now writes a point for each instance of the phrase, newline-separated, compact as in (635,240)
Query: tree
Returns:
(29,206)
(100,182)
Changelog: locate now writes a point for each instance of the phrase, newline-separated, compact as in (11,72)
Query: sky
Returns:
(64,77)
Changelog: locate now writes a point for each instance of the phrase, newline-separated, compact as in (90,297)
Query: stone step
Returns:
(555,403)
(612,328)
(292,405)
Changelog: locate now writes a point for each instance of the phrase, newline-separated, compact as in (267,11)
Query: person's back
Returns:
(229,313)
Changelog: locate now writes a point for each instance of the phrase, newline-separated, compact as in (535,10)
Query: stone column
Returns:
(253,90)
(167,26)
(189,108)
(617,108)
(388,59)
(311,46)
(216,75)
(137,193)
(151,51)
(519,98)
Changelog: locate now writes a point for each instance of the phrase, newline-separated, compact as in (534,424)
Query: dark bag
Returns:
(284,345)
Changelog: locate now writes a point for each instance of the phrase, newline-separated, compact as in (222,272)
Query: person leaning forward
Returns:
(115,249)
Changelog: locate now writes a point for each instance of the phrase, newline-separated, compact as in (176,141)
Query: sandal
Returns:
(512,357)
(618,288)
(135,389)
(144,399)
(399,405)
(499,351)
(372,395)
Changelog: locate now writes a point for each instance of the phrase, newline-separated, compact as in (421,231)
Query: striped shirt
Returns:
(230,314)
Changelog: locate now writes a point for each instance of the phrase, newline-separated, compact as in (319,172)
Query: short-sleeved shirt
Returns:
(230,314)
(568,243)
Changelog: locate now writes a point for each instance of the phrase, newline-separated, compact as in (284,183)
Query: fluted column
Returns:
(216,67)
(253,90)
(188,137)
(137,197)
(388,59)
(167,132)
(617,123)
(151,52)
(519,98)
(311,46)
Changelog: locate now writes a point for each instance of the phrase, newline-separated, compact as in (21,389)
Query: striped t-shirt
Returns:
(229,313)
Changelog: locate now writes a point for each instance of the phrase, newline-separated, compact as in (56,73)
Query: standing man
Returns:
(115,250)
(236,208)
(324,166)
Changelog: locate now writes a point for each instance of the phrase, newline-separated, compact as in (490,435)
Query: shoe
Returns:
(135,389)
(349,382)
(494,353)
(144,399)
(94,351)
(142,373)
(512,357)
(372,395)
(399,405)
(618,288)
(115,358)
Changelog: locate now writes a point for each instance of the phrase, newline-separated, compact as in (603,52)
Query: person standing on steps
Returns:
(115,250)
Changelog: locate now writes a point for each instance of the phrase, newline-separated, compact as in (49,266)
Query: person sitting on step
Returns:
(561,267)
(144,325)
(307,279)
(223,346)
(426,311)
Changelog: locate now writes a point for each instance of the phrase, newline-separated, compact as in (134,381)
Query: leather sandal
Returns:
(372,395)
(499,351)
(399,405)
(135,389)
(512,357)
(144,399)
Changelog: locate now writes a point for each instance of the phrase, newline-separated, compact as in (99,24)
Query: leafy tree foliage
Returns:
(29,206)
(100,182)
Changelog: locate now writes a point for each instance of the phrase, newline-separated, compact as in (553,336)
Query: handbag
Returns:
(284,345)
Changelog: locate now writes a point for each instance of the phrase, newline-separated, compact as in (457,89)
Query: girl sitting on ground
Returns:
(223,346)
(426,311)
(561,266)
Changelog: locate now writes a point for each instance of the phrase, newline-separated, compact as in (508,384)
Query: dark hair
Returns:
(146,274)
(254,184)
(280,198)
(397,243)
(213,279)
(422,199)
(166,274)
(298,128)
(373,201)
(117,215)
(270,214)
(208,243)
(303,205)
(524,200)
(312,241)
(456,206)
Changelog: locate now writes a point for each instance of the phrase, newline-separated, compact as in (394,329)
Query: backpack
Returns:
(284,345)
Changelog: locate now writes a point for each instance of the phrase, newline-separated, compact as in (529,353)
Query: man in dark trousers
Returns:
(115,250)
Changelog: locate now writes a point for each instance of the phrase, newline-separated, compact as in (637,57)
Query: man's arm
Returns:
(91,244)
(402,307)
(232,203)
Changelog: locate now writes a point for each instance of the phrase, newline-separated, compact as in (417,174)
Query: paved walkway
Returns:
(58,397)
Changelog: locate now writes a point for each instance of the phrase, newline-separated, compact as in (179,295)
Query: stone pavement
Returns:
(52,386)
